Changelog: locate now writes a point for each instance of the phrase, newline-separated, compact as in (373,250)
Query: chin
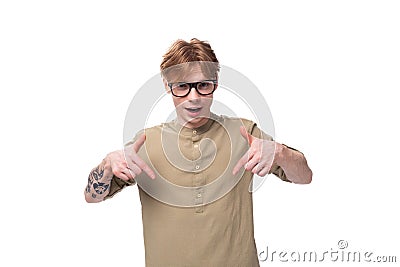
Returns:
(196,122)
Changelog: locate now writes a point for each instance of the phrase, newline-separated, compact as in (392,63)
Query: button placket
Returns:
(199,180)
(198,193)
(198,196)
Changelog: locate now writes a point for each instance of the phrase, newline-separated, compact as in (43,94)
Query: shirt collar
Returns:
(177,127)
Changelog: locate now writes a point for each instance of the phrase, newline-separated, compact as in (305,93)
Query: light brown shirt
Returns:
(193,223)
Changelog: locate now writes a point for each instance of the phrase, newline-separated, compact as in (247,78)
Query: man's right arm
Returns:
(113,166)
(99,181)
(121,164)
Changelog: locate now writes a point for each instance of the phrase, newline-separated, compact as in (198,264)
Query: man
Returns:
(194,172)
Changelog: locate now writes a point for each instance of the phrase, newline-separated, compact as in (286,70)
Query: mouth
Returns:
(193,111)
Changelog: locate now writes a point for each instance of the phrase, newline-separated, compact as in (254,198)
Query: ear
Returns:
(166,87)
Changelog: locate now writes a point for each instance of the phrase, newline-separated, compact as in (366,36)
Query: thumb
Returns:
(246,135)
(139,142)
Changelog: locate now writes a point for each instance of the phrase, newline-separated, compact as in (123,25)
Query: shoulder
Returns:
(150,131)
(248,124)
(251,126)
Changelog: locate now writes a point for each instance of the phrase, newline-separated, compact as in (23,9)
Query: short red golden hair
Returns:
(182,52)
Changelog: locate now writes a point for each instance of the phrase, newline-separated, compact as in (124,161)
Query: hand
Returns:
(260,156)
(127,164)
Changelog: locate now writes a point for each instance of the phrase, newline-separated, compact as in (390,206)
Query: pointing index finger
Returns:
(246,135)
(138,161)
(139,142)
(143,166)
(241,162)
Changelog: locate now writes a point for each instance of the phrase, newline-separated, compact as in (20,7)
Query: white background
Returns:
(69,69)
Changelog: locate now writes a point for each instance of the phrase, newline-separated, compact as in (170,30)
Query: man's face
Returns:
(193,110)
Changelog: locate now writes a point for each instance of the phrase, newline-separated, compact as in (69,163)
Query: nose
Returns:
(193,95)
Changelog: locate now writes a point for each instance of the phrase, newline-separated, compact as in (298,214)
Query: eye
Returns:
(205,85)
(181,86)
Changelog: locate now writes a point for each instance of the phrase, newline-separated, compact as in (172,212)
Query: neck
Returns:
(195,122)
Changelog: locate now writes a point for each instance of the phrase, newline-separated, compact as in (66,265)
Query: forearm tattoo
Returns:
(94,182)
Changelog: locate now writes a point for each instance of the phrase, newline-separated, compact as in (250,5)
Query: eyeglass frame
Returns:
(194,85)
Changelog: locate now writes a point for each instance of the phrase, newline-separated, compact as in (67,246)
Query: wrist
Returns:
(280,151)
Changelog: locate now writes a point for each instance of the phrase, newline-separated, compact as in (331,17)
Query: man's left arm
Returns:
(265,156)
(293,163)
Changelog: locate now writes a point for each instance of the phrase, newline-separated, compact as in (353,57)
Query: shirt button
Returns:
(197,167)
(199,195)
(194,132)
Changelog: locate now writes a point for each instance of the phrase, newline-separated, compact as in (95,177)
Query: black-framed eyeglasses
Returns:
(182,89)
